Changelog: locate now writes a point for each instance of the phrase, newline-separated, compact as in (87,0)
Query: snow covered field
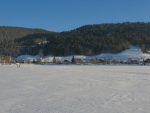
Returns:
(74,89)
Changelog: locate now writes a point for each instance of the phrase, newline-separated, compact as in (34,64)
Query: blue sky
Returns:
(62,15)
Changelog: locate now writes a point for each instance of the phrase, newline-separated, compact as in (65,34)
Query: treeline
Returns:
(86,40)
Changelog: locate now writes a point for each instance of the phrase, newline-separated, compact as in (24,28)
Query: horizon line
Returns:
(42,28)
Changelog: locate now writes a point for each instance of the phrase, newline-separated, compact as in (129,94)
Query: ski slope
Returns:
(74,89)
(133,52)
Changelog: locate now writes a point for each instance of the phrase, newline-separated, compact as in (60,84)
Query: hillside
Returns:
(95,39)
(8,35)
(18,32)
(86,40)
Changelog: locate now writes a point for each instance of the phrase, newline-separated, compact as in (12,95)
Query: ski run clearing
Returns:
(74,89)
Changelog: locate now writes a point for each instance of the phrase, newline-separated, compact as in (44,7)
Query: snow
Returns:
(74,89)
(48,59)
(27,58)
(105,56)
(133,52)
(62,59)
(69,58)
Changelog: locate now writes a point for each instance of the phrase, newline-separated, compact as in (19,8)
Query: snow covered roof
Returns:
(27,58)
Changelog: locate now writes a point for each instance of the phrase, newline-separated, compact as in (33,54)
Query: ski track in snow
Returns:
(74,89)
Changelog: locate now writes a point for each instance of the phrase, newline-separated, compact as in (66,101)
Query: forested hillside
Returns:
(86,40)
(8,36)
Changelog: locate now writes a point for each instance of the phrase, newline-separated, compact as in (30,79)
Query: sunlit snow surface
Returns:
(74,89)
(131,53)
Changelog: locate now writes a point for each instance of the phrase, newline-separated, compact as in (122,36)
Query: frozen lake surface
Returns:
(74,89)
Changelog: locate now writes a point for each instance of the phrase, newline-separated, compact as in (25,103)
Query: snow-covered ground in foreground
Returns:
(74,89)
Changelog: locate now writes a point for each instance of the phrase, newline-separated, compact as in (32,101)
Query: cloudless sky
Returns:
(62,15)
